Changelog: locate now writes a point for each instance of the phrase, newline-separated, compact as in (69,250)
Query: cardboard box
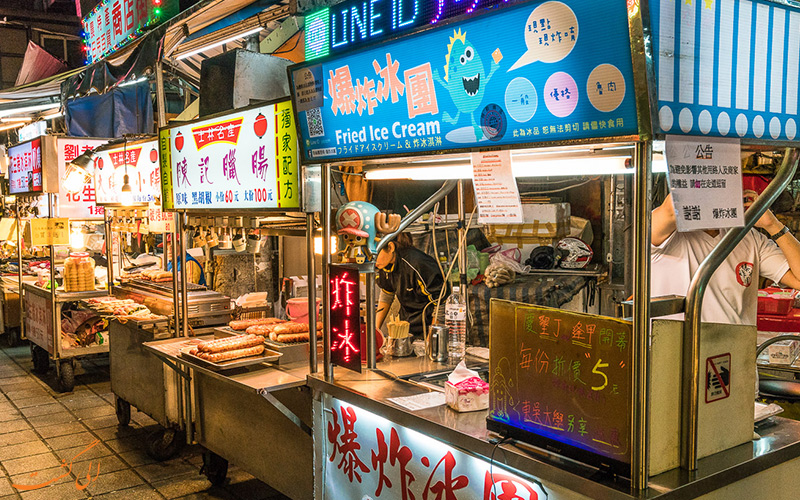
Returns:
(542,224)
(784,352)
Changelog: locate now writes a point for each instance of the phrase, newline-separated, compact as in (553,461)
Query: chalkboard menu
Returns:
(561,380)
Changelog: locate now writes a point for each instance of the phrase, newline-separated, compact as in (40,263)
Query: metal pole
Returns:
(462,249)
(176,303)
(183,279)
(371,348)
(19,263)
(54,311)
(694,302)
(312,294)
(326,260)
(640,352)
(109,250)
(160,97)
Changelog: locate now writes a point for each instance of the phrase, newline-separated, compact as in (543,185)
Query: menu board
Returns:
(25,167)
(535,72)
(80,204)
(561,380)
(140,161)
(242,160)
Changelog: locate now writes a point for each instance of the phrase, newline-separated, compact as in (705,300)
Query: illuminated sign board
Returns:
(345,319)
(25,167)
(81,204)
(727,68)
(354,23)
(525,74)
(114,23)
(140,161)
(242,160)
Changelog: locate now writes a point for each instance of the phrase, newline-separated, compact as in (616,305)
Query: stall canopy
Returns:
(126,109)
(38,64)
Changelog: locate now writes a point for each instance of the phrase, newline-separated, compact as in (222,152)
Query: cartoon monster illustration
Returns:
(465,79)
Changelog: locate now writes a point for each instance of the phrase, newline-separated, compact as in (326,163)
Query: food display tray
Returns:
(297,351)
(268,356)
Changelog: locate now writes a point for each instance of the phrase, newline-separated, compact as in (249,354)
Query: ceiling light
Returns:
(217,44)
(12,126)
(53,116)
(27,109)
(126,194)
(12,119)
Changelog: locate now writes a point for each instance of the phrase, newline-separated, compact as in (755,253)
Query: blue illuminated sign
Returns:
(350,24)
(525,74)
(727,68)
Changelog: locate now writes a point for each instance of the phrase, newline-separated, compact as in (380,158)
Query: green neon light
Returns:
(318,34)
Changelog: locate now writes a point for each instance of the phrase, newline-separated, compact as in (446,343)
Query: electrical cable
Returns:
(559,190)
(497,442)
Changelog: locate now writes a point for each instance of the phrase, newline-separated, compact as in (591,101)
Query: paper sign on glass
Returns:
(705,179)
(495,188)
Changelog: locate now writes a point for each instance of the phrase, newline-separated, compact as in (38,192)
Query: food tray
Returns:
(268,356)
(297,351)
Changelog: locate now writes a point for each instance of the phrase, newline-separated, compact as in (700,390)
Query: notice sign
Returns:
(705,179)
(49,231)
(495,188)
(718,377)
(345,321)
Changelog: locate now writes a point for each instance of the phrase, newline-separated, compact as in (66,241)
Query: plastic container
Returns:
(78,272)
(297,309)
(455,313)
(776,301)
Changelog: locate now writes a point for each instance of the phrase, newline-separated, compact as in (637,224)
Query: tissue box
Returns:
(470,394)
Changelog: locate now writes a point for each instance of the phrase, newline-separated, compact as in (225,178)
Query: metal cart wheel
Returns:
(123,412)
(215,468)
(163,444)
(66,380)
(13,336)
(41,359)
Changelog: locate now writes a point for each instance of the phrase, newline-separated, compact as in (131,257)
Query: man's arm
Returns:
(384,304)
(663,222)
(788,245)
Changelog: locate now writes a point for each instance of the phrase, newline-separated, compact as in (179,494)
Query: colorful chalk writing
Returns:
(562,376)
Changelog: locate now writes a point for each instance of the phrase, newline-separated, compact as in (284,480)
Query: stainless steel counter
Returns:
(779,444)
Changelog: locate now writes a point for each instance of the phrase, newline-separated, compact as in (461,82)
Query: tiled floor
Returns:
(42,429)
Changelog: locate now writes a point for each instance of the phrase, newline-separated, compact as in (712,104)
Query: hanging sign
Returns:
(727,67)
(25,167)
(368,456)
(518,75)
(114,23)
(158,221)
(81,204)
(561,380)
(243,160)
(49,231)
(345,318)
(140,161)
(495,188)
(705,180)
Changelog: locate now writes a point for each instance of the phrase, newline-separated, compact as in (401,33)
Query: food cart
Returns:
(234,173)
(637,422)
(44,165)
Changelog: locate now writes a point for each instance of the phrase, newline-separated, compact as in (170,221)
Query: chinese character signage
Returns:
(345,318)
(81,204)
(705,180)
(49,231)
(140,161)
(727,67)
(244,160)
(517,75)
(367,456)
(561,380)
(114,23)
(25,167)
(355,23)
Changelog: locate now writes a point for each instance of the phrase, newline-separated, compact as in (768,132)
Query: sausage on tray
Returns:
(235,354)
(292,327)
(289,338)
(263,330)
(243,324)
(229,344)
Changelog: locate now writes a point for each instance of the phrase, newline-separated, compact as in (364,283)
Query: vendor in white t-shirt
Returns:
(732,293)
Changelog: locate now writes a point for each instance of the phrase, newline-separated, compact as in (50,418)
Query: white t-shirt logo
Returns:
(744,273)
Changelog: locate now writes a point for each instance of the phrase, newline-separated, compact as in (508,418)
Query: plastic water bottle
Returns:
(455,314)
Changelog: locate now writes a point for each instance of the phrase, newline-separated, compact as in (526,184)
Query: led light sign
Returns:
(345,320)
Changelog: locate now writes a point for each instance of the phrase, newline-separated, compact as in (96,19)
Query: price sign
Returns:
(345,320)
(47,231)
(562,380)
(158,221)
(495,188)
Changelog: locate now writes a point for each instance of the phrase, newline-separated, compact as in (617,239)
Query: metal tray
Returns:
(296,351)
(268,356)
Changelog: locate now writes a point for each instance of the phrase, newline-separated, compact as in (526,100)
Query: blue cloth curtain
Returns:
(123,110)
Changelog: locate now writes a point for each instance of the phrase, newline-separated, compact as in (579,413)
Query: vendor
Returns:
(415,279)
(731,296)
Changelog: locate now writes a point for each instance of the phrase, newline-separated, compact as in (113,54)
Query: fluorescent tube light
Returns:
(12,126)
(133,82)
(38,107)
(217,44)
(12,119)
(53,116)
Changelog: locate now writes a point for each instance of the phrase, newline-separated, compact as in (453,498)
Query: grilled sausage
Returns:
(230,344)
(235,354)
(243,324)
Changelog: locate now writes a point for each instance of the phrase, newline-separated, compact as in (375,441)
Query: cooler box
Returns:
(790,323)
(776,301)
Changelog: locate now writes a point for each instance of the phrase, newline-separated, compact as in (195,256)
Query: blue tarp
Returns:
(123,110)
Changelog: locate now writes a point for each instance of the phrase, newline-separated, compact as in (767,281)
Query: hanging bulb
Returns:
(126,194)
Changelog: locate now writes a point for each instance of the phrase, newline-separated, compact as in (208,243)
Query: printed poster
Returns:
(495,188)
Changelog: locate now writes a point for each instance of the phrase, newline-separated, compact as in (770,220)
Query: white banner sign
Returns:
(158,221)
(81,204)
(247,159)
(705,179)
(495,188)
(368,457)
(140,161)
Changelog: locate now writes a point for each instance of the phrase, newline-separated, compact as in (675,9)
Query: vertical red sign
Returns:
(345,319)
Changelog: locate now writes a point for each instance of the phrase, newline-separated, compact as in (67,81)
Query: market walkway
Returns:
(40,427)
